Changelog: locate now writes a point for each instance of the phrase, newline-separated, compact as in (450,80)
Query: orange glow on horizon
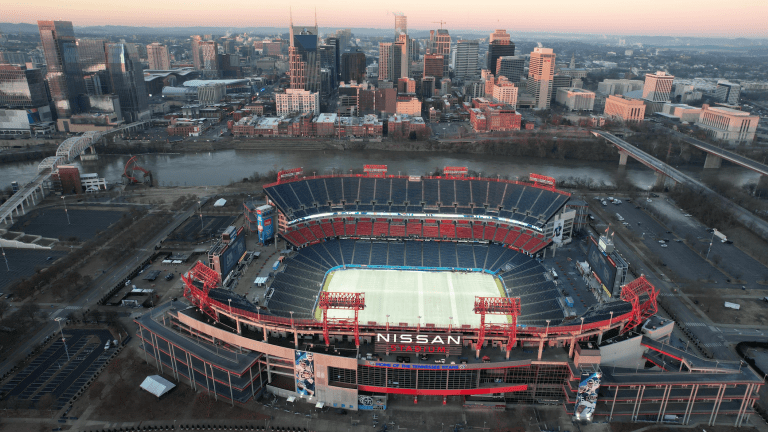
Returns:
(741,18)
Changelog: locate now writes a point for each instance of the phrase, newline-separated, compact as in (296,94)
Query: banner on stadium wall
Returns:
(557,232)
(586,399)
(304,370)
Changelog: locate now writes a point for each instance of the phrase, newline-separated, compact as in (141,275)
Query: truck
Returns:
(276,265)
(569,301)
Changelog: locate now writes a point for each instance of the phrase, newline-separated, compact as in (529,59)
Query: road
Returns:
(100,285)
(759,226)
(722,153)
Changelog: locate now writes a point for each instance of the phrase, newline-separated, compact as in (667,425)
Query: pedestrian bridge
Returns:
(67,152)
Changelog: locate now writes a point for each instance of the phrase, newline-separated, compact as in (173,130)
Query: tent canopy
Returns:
(157,385)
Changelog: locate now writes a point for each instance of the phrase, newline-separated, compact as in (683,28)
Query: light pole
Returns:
(387,323)
(547,331)
(58,320)
(450,326)
(65,209)
(6,259)
(200,209)
(714,230)
(582,325)
(610,321)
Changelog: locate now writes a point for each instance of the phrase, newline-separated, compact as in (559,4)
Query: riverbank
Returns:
(526,145)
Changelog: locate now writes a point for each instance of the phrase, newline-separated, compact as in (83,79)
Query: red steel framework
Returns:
(641,308)
(289,175)
(340,300)
(375,170)
(199,295)
(497,306)
(544,181)
(451,172)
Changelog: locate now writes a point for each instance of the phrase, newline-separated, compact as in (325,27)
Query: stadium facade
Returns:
(525,345)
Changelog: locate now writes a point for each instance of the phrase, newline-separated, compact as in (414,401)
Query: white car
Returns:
(649,200)
(663,245)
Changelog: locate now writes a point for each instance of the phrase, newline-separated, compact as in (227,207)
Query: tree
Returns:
(29,310)
(4,306)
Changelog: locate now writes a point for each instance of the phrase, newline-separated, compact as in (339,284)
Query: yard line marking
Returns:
(421,294)
(452,296)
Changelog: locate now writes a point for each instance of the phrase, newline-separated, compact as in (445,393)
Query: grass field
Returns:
(407,295)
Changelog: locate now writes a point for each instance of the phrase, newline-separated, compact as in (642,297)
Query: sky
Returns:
(737,18)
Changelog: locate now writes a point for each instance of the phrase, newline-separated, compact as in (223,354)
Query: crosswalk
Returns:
(713,344)
(73,307)
(695,324)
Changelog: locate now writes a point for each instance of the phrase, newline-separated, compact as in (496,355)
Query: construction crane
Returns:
(441,22)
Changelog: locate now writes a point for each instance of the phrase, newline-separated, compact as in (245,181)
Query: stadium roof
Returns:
(157,385)
(200,83)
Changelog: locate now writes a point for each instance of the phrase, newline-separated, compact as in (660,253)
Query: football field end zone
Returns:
(433,294)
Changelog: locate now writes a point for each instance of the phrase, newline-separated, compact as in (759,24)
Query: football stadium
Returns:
(437,287)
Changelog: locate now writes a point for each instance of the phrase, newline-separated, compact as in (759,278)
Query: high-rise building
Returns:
(727,92)
(297,101)
(504,92)
(415,49)
(440,43)
(558,82)
(499,46)
(401,25)
(209,59)
(64,76)
(657,86)
(195,48)
(93,60)
(336,43)
(728,124)
(466,59)
(385,61)
(157,54)
(433,65)
(344,36)
(303,58)
(512,67)
(353,65)
(401,57)
(576,99)
(21,87)
(541,71)
(127,82)
(499,37)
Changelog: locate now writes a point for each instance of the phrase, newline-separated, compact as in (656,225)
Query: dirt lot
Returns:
(116,396)
(711,301)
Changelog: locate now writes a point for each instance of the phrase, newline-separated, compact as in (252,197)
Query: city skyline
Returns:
(702,19)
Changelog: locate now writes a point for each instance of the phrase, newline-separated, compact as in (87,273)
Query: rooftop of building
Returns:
(728,111)
(201,83)
(326,118)
(576,90)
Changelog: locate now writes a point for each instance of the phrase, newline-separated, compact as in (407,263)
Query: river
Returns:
(224,166)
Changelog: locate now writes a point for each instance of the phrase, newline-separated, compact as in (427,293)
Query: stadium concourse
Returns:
(434,287)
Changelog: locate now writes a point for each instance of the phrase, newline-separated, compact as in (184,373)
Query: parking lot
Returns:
(83,224)
(23,263)
(193,230)
(59,371)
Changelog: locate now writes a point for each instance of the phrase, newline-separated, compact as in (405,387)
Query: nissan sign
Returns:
(423,343)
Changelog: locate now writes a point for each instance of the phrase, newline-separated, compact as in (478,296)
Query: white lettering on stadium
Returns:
(419,339)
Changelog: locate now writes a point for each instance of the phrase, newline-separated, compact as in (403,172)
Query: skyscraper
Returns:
(65,76)
(541,71)
(327,55)
(466,59)
(209,59)
(401,25)
(127,80)
(303,58)
(433,65)
(93,61)
(337,44)
(512,67)
(657,86)
(21,87)
(157,54)
(385,61)
(353,65)
(401,57)
(195,48)
(499,46)
(440,43)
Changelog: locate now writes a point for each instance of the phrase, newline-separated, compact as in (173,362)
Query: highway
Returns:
(745,217)
(100,285)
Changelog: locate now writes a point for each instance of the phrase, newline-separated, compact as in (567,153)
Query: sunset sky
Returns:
(736,18)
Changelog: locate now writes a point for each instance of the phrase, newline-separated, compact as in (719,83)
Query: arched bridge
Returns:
(67,152)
